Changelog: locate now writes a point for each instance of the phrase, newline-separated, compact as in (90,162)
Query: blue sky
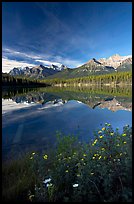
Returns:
(70,33)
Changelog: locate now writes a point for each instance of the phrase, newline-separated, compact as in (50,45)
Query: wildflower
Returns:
(93,157)
(117,145)
(84,164)
(84,155)
(111,133)
(99,157)
(93,144)
(33,153)
(78,175)
(47,180)
(103,128)
(106,123)
(101,136)
(120,154)
(31,157)
(118,159)
(92,173)
(123,135)
(49,185)
(66,171)
(82,159)
(124,142)
(45,156)
(109,124)
(59,159)
(69,157)
(74,152)
(103,149)
(75,185)
(99,132)
(104,157)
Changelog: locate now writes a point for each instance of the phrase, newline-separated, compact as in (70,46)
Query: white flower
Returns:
(75,185)
(49,184)
(47,180)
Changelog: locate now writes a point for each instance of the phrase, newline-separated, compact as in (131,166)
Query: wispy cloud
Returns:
(13,58)
(8,64)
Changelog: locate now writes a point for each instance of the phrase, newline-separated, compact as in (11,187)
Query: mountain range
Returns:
(92,67)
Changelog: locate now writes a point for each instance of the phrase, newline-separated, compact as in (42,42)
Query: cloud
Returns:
(14,58)
(8,64)
(11,52)
(58,60)
(45,62)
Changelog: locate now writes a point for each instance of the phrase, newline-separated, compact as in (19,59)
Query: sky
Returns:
(70,33)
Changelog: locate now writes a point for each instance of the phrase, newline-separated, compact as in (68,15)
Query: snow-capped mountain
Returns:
(115,60)
(38,71)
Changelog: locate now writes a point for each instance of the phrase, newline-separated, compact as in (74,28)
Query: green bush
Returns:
(100,170)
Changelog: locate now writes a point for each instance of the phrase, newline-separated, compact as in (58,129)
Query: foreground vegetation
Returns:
(100,170)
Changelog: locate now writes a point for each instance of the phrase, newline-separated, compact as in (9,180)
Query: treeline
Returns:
(8,80)
(112,78)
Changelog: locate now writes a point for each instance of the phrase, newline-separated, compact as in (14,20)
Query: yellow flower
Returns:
(124,142)
(120,154)
(84,155)
(82,159)
(31,157)
(102,149)
(99,157)
(93,157)
(99,132)
(33,153)
(123,135)
(78,175)
(66,171)
(103,128)
(92,173)
(117,145)
(69,157)
(45,156)
(93,144)
(101,136)
(108,124)
(111,133)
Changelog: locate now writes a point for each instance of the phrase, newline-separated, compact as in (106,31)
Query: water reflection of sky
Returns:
(33,126)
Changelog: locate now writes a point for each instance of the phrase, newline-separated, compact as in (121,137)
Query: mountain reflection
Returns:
(102,97)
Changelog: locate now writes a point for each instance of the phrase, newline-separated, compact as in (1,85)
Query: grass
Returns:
(98,171)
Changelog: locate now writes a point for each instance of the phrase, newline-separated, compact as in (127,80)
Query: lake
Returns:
(31,117)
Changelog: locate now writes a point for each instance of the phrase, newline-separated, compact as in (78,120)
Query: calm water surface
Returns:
(31,117)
